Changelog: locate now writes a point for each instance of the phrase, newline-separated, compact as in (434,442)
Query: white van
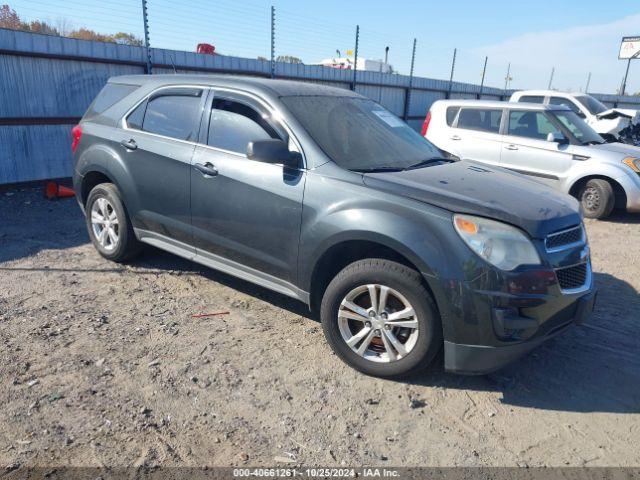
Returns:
(549,143)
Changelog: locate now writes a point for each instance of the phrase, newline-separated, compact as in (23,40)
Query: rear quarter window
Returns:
(452,112)
(110,94)
(531,99)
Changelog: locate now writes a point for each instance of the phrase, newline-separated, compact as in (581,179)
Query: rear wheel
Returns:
(379,318)
(597,198)
(109,225)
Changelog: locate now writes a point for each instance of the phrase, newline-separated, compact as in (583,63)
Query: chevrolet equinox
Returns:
(321,194)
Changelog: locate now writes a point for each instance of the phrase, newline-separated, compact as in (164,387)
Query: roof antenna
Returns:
(173,64)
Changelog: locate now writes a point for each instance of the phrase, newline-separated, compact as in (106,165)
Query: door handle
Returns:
(511,147)
(207,169)
(456,137)
(129,144)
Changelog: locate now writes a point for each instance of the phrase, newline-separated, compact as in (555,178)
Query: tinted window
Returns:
(359,134)
(135,118)
(566,102)
(111,94)
(531,99)
(451,114)
(530,124)
(484,120)
(233,125)
(174,115)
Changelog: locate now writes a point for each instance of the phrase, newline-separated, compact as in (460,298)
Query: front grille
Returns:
(565,237)
(572,277)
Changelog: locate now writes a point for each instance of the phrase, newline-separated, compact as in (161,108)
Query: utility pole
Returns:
(386,55)
(586,89)
(273,41)
(453,66)
(624,81)
(355,62)
(507,79)
(145,21)
(407,101)
(553,69)
(484,71)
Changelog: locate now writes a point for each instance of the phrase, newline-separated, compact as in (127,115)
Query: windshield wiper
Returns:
(429,161)
(593,142)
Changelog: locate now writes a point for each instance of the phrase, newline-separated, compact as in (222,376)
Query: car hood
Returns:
(620,112)
(622,148)
(478,189)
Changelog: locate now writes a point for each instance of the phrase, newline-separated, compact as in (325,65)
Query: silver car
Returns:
(549,143)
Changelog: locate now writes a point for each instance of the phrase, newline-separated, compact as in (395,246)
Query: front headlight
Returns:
(500,244)
(632,162)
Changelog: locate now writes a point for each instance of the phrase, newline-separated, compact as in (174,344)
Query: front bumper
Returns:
(481,359)
(631,186)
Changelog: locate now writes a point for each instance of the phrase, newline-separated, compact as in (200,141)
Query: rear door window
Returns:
(234,124)
(173,113)
(481,119)
(531,99)
(530,124)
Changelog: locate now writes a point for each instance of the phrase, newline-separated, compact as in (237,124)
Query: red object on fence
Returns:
(206,48)
(53,190)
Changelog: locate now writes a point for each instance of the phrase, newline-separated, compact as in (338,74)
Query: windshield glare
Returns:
(358,134)
(594,105)
(578,128)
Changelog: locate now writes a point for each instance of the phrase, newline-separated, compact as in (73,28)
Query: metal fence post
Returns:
(355,62)
(586,89)
(407,98)
(553,70)
(484,71)
(273,41)
(453,66)
(145,21)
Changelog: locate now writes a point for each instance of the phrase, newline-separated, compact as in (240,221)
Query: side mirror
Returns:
(273,151)
(556,137)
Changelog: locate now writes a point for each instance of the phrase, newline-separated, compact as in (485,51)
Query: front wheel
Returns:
(597,198)
(380,319)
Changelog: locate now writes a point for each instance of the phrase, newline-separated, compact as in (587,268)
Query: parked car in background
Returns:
(610,123)
(322,195)
(549,143)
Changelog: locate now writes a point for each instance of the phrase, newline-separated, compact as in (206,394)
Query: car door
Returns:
(245,213)
(526,150)
(476,134)
(157,144)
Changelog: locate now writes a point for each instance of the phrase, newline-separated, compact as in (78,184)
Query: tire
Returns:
(421,345)
(126,245)
(597,198)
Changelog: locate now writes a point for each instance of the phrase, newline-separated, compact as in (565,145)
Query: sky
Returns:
(572,37)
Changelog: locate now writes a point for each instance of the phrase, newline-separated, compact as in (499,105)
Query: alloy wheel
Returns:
(105,224)
(591,199)
(378,323)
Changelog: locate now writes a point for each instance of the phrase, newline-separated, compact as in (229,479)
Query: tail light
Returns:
(425,125)
(76,135)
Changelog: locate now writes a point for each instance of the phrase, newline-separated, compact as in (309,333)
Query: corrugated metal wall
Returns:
(47,82)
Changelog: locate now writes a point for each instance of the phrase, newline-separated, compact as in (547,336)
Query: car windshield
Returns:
(358,134)
(594,105)
(578,128)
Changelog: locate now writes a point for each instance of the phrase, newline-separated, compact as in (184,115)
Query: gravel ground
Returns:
(104,365)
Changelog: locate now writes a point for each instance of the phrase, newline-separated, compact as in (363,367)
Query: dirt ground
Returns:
(103,365)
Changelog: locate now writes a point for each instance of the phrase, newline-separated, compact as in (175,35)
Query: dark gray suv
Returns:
(323,195)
